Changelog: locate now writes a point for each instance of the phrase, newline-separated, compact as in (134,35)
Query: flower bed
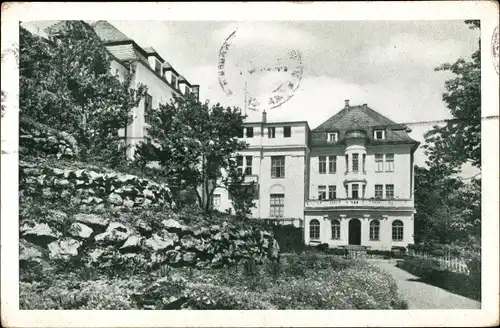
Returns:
(306,281)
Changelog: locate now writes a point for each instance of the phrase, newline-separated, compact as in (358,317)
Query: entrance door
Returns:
(354,232)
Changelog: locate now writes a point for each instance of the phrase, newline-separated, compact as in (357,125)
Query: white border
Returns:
(487,11)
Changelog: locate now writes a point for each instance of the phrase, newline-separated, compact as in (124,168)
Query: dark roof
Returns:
(360,118)
(152,52)
(108,33)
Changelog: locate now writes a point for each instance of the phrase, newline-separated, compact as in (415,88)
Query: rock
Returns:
(92,175)
(201,232)
(173,257)
(217,260)
(157,242)
(148,193)
(217,236)
(57,216)
(79,174)
(95,254)
(40,234)
(189,242)
(96,222)
(189,257)
(214,228)
(125,177)
(78,229)
(61,182)
(265,243)
(116,232)
(29,252)
(79,182)
(143,226)
(64,248)
(115,199)
(172,224)
(225,235)
(128,203)
(132,243)
(58,172)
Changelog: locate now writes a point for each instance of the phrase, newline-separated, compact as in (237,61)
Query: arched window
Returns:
(375,230)
(397,230)
(335,229)
(314,229)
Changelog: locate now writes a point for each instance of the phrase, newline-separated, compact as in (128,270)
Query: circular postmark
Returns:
(264,78)
(494,48)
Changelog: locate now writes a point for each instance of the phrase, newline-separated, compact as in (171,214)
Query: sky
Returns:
(388,65)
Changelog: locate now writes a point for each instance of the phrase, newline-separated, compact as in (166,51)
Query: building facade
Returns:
(347,182)
(147,67)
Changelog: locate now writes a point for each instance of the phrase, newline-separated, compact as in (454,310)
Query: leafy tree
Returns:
(194,144)
(448,209)
(459,141)
(66,83)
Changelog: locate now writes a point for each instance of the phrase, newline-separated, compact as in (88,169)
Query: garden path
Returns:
(420,295)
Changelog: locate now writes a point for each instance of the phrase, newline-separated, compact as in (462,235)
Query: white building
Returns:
(146,66)
(347,182)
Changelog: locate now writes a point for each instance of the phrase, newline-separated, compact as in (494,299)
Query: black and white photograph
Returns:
(159,157)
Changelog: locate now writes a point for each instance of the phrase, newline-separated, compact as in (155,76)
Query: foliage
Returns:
(459,141)
(66,83)
(448,209)
(242,197)
(194,143)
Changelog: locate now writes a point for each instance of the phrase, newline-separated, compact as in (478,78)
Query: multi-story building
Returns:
(147,68)
(347,182)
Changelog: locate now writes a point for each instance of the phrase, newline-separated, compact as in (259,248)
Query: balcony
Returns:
(251,178)
(360,203)
(353,176)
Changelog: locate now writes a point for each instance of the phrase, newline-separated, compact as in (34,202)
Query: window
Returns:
(397,230)
(355,191)
(148,106)
(277,205)
(321,192)
(389,162)
(277,167)
(216,200)
(346,163)
(287,131)
(375,230)
(379,162)
(332,137)
(241,133)
(332,192)
(248,165)
(239,164)
(379,193)
(250,132)
(157,66)
(347,191)
(364,162)
(355,162)
(364,189)
(314,229)
(271,132)
(379,134)
(322,164)
(174,82)
(332,164)
(389,191)
(335,229)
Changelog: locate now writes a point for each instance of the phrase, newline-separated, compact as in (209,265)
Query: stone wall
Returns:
(102,242)
(87,188)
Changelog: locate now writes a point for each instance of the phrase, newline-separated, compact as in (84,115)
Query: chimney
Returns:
(347,103)
(264,117)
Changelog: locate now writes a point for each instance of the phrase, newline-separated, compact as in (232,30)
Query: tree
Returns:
(448,209)
(195,145)
(66,83)
(459,141)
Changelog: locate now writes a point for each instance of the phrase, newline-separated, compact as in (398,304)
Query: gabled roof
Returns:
(108,33)
(363,115)
(356,118)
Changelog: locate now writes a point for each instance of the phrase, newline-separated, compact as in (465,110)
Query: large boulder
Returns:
(160,242)
(133,243)
(39,234)
(64,248)
(116,232)
(29,252)
(80,230)
(172,225)
(96,222)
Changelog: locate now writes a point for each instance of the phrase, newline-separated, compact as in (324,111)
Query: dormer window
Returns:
(174,81)
(157,66)
(379,134)
(333,137)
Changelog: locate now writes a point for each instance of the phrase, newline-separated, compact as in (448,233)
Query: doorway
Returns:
(354,232)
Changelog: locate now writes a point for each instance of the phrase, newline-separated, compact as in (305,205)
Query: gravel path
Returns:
(420,295)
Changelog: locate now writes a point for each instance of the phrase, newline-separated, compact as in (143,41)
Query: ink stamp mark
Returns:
(267,82)
(494,48)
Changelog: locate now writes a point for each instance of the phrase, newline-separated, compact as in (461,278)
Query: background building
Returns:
(349,181)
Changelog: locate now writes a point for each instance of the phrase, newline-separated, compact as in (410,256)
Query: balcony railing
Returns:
(251,178)
(343,202)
